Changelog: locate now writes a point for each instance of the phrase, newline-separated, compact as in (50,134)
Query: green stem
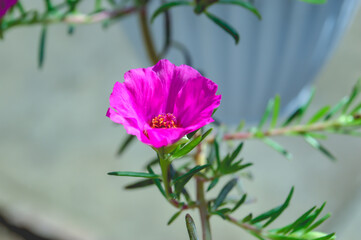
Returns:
(147,38)
(255,231)
(206,229)
(165,165)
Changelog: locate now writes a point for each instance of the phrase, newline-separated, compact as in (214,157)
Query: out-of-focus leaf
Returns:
(181,181)
(225,26)
(266,113)
(247,218)
(297,115)
(191,227)
(336,108)
(42,44)
(224,192)
(240,202)
(316,144)
(167,6)
(276,146)
(319,222)
(356,109)
(273,213)
(319,114)
(212,184)
(240,126)
(315,1)
(134,174)
(140,184)
(125,144)
(276,110)
(246,5)
(236,151)
(355,91)
(174,217)
(218,157)
(190,146)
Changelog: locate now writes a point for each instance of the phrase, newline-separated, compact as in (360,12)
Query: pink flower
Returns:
(5,5)
(163,103)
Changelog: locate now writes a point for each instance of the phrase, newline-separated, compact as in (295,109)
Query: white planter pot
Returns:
(281,54)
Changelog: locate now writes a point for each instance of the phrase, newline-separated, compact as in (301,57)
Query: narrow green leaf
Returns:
(157,181)
(140,184)
(218,157)
(356,109)
(316,144)
(42,46)
(336,108)
(307,222)
(225,26)
(134,174)
(273,213)
(247,218)
(319,114)
(174,217)
(71,29)
(181,181)
(191,227)
(190,146)
(239,203)
(167,6)
(240,126)
(314,1)
(212,184)
(243,4)
(297,115)
(276,110)
(327,237)
(276,146)
(224,192)
(319,222)
(125,144)
(355,91)
(266,113)
(281,237)
(299,223)
(236,151)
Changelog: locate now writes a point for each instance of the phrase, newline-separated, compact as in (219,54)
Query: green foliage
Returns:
(223,193)
(166,6)
(125,144)
(189,146)
(135,174)
(274,213)
(181,181)
(174,217)
(42,46)
(191,227)
(315,1)
(224,25)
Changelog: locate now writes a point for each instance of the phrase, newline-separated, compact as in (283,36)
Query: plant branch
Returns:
(32,17)
(206,230)
(255,231)
(290,130)
(147,37)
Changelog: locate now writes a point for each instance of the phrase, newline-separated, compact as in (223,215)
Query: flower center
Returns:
(164,121)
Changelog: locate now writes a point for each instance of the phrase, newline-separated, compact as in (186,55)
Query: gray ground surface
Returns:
(56,144)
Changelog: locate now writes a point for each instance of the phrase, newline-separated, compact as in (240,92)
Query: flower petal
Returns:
(195,103)
(174,79)
(5,5)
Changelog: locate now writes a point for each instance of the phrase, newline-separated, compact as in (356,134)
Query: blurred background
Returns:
(56,146)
